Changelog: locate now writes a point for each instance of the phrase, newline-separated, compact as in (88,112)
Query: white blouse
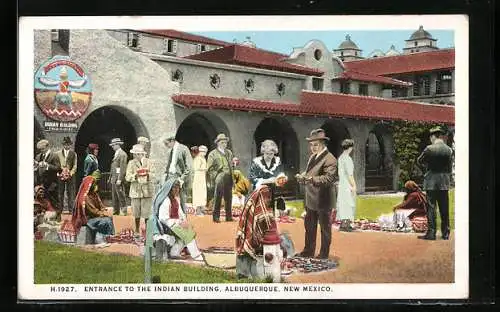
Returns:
(164,213)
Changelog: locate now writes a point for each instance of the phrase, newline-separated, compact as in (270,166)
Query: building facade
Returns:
(245,92)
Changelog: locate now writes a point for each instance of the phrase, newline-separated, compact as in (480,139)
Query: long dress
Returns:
(199,181)
(346,200)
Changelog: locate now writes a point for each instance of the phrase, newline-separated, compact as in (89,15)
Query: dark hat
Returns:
(318,134)
(67,140)
(436,130)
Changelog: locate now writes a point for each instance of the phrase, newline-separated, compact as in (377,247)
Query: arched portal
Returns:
(201,129)
(378,161)
(100,127)
(280,131)
(337,132)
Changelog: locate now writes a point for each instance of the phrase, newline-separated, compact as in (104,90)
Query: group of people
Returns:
(329,185)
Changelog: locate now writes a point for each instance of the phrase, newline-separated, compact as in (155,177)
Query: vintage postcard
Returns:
(243,157)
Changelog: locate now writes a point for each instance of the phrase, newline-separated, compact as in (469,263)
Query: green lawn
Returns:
(61,264)
(371,207)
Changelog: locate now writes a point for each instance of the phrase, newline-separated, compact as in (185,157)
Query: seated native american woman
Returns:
(89,209)
(168,225)
(413,206)
(256,219)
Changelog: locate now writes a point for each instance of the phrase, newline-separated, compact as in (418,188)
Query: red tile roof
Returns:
(405,63)
(354,75)
(252,57)
(175,34)
(329,104)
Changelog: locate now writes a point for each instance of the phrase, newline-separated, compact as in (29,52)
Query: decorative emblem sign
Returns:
(177,75)
(215,81)
(280,89)
(249,85)
(62,89)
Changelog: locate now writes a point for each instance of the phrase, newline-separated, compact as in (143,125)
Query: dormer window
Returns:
(415,43)
(54,34)
(170,46)
(133,40)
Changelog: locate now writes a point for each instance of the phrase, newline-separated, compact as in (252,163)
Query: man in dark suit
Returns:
(320,194)
(117,177)
(220,173)
(438,158)
(47,169)
(68,161)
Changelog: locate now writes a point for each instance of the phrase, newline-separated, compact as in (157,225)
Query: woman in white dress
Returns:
(200,180)
(346,199)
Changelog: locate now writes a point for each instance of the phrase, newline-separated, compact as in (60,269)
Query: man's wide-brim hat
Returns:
(67,140)
(116,141)
(142,139)
(318,134)
(437,130)
(137,149)
(221,137)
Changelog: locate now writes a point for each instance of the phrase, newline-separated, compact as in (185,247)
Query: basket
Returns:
(67,233)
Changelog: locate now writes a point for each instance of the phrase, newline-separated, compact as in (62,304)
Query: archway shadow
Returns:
(282,133)
(100,127)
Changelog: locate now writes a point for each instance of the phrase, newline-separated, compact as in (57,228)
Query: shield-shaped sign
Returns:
(63,91)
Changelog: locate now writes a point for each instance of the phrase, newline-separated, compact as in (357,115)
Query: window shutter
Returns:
(165,45)
(174,46)
(139,39)
(55,35)
(198,48)
(130,37)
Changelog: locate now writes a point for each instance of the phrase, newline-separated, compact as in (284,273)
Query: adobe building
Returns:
(152,82)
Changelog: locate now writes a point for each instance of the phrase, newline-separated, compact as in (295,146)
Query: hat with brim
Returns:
(436,130)
(142,139)
(67,140)
(137,149)
(202,148)
(221,137)
(318,134)
(116,141)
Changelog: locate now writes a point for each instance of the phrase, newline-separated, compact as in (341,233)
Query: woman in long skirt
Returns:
(346,199)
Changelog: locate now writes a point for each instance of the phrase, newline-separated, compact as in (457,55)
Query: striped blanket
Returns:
(256,218)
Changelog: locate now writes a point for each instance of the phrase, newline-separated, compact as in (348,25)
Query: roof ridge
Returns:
(375,97)
(402,55)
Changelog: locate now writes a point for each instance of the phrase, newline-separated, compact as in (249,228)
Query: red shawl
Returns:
(85,196)
(256,218)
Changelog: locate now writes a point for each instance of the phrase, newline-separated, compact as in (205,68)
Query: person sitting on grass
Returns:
(413,205)
(168,225)
(90,211)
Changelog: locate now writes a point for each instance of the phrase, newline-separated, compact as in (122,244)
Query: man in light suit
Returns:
(117,177)
(179,165)
(46,172)
(68,160)
(220,174)
(438,158)
(320,194)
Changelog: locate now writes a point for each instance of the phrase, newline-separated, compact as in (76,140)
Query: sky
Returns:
(367,41)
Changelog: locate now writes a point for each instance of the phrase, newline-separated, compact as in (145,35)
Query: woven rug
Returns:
(309,265)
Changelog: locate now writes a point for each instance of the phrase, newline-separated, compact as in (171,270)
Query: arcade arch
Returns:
(280,131)
(99,127)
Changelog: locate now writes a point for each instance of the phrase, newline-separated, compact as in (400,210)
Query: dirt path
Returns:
(364,257)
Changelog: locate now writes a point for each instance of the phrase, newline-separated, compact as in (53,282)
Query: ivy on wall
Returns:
(410,139)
